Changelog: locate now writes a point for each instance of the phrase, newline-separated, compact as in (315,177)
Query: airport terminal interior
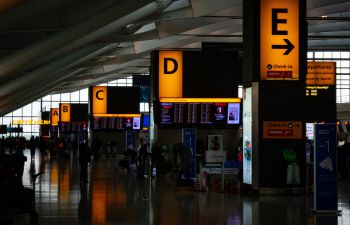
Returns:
(167,112)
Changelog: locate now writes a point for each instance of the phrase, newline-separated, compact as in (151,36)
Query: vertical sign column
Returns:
(99,100)
(325,169)
(279,40)
(189,154)
(65,111)
(54,116)
(170,74)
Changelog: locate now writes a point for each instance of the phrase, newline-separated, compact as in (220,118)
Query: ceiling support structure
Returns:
(53,69)
(103,23)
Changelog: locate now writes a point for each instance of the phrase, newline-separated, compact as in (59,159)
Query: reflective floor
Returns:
(114,197)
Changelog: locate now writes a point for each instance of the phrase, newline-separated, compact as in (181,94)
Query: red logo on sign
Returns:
(279,74)
(280,132)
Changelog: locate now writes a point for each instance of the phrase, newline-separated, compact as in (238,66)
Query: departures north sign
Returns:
(279,40)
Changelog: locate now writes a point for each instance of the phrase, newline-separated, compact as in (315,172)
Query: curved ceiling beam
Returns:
(22,98)
(18,85)
(26,9)
(105,22)
(133,16)
(46,74)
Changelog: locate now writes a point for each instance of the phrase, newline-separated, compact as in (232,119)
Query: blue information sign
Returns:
(325,169)
(189,142)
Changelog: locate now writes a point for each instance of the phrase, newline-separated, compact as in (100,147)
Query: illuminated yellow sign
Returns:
(54,116)
(170,73)
(279,40)
(320,73)
(200,100)
(30,122)
(99,100)
(65,111)
(282,129)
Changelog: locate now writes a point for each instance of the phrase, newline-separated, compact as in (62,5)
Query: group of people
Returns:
(12,192)
(14,144)
(147,158)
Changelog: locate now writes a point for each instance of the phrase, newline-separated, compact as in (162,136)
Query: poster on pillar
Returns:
(279,40)
(247,135)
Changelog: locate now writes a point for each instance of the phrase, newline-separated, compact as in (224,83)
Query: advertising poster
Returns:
(189,156)
(215,153)
(233,113)
(215,142)
(247,136)
(136,123)
(325,169)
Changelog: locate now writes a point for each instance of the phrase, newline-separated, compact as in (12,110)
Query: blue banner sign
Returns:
(325,169)
(189,154)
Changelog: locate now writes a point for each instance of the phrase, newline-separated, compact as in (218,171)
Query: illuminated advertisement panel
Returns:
(247,136)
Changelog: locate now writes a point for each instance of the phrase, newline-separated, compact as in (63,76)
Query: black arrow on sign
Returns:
(289,47)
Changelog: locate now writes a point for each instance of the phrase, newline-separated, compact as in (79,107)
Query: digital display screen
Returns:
(74,127)
(97,123)
(136,123)
(166,113)
(128,123)
(220,113)
(199,114)
(179,113)
(192,113)
(146,121)
(206,112)
(116,123)
(233,112)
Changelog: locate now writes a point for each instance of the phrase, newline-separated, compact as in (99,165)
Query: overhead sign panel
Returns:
(282,129)
(65,109)
(320,73)
(279,40)
(54,116)
(99,99)
(170,73)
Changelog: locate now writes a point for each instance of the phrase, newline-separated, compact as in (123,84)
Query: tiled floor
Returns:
(117,198)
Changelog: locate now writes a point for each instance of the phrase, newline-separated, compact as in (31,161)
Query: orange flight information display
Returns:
(279,40)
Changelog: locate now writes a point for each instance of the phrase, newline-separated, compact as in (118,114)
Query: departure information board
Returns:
(116,123)
(198,114)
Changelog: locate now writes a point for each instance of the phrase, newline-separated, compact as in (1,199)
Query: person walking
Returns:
(32,147)
(84,159)
(156,158)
